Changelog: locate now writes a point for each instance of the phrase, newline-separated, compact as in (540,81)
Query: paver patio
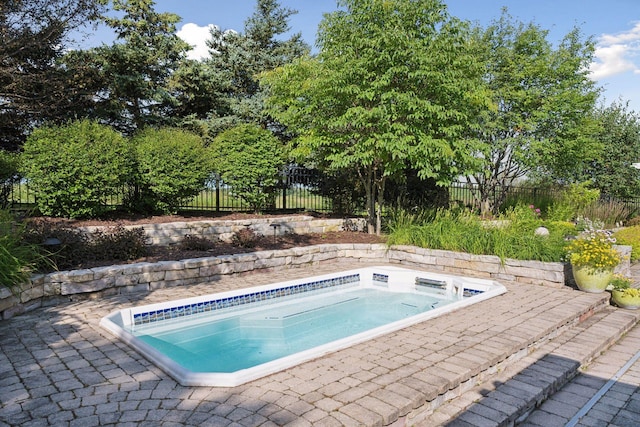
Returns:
(58,367)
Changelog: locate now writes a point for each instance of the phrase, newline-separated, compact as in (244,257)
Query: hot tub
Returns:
(230,338)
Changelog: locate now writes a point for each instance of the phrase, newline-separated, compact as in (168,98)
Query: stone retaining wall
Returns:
(173,232)
(64,286)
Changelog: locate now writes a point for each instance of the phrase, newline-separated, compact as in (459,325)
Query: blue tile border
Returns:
(377,277)
(466,292)
(217,304)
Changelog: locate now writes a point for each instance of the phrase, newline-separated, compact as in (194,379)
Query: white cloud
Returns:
(196,36)
(617,53)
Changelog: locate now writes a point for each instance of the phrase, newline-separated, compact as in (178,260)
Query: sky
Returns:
(613,24)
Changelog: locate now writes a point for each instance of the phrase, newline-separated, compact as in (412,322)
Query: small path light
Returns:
(275,227)
(52,243)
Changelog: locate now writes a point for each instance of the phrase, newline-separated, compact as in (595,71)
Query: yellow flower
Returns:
(593,250)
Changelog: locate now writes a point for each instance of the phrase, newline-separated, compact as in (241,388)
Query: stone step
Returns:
(509,396)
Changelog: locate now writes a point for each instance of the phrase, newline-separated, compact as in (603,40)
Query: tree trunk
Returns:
(380,188)
(369,188)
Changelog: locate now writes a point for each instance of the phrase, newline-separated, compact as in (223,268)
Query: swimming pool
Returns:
(230,338)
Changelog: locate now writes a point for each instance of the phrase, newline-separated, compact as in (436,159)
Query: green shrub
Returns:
(543,199)
(73,168)
(249,159)
(579,196)
(561,228)
(630,236)
(561,211)
(173,167)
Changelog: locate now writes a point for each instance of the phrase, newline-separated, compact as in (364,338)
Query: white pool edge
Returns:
(188,378)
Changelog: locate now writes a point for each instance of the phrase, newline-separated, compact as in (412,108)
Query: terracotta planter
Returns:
(625,301)
(590,280)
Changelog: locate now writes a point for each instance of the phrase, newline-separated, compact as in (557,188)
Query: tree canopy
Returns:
(395,84)
(613,172)
(34,87)
(238,58)
(540,121)
(135,70)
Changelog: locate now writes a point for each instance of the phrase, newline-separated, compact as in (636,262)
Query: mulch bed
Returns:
(176,252)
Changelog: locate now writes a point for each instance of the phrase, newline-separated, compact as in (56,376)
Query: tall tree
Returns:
(137,67)
(541,118)
(34,88)
(613,172)
(395,85)
(238,58)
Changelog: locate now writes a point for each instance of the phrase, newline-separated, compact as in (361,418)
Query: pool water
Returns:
(240,341)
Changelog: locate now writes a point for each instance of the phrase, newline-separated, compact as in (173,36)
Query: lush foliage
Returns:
(250,160)
(394,85)
(630,236)
(593,249)
(573,202)
(236,61)
(9,162)
(612,172)
(74,167)
(34,87)
(172,166)
(542,101)
(512,235)
(133,83)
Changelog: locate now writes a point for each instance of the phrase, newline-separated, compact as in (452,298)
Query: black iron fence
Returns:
(468,194)
(302,189)
(298,190)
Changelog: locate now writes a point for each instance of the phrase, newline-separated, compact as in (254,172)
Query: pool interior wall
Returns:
(127,323)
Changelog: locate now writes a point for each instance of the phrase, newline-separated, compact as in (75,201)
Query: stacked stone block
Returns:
(48,289)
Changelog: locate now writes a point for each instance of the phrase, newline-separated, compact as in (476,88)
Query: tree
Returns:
(612,173)
(249,159)
(238,58)
(137,67)
(395,85)
(34,87)
(540,121)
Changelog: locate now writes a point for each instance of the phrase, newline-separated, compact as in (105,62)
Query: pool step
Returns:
(509,396)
